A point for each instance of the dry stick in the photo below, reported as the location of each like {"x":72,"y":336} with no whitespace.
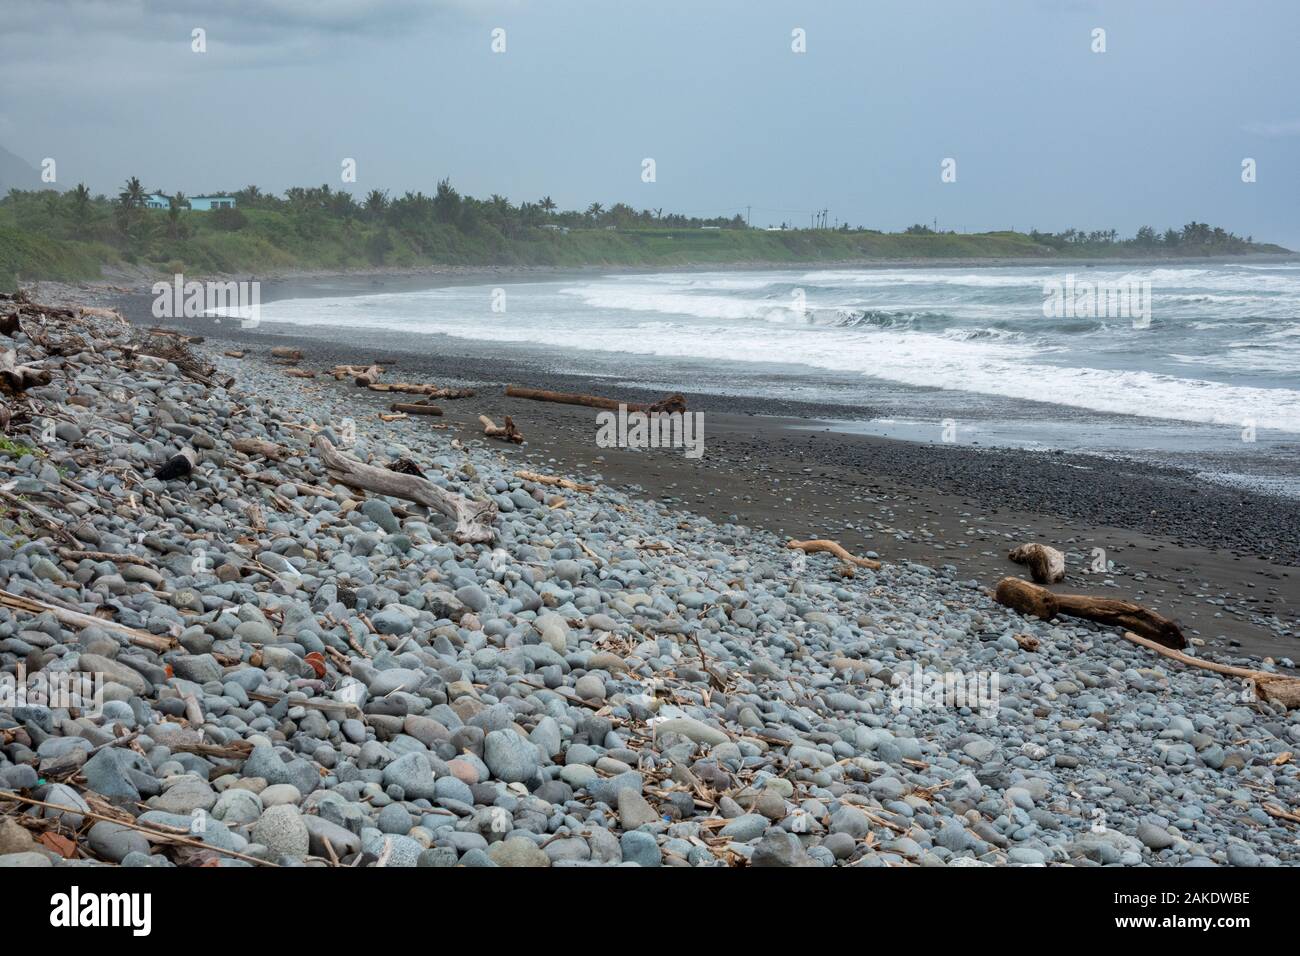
{"x":1273,"y":687}
{"x":46,"y":518}
{"x":153,"y":642}
{"x":161,"y":835}
{"x":824,"y":544}
{"x":71,"y":555}
{"x":541,"y":479}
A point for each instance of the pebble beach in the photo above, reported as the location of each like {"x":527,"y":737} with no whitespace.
{"x":300,"y":673}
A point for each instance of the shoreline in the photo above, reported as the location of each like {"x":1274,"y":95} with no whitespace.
{"x":120,"y":280}
{"x":1226,"y":561}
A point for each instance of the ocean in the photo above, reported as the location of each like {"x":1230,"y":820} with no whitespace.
{"x":1198,"y":359}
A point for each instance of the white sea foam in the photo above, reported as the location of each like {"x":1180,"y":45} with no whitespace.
{"x":909,"y":327}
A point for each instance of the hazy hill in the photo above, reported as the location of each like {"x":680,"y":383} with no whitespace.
{"x":17,"y":173}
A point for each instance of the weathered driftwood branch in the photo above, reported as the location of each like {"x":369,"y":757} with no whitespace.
{"x":415,"y":408}
{"x":831,"y":547}
{"x":1027,"y":598}
{"x":299,"y":373}
{"x":363,"y":376}
{"x":154,"y":642}
{"x":508,"y":432}
{"x":1277,"y":688}
{"x":234,"y":353}
{"x":284,"y":353}
{"x":540,"y":479}
{"x":474,"y":519}
{"x":414,"y":388}
{"x":252,"y":447}
{"x":671,"y":403}
{"x":19,"y":378}
{"x":1047,"y":565}
{"x":70,"y":554}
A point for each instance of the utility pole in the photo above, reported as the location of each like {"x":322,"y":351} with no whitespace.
{"x":748,"y":209}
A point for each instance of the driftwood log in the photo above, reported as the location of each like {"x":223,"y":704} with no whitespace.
{"x":1027,"y":598}
{"x":1047,"y":565}
{"x":414,"y":388}
{"x":832,"y":547}
{"x":178,"y":466}
{"x":508,"y":432}
{"x":257,"y":446}
{"x":19,"y":378}
{"x":672,"y":403}
{"x":363,"y":376}
{"x":299,"y":373}
{"x":474,"y":519}
{"x":1276,"y":688}
{"x":284,"y":353}
{"x":415,"y":408}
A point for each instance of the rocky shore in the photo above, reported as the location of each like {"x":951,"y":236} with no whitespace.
{"x":296,"y":672}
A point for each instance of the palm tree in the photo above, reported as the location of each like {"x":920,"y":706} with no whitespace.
{"x":547,"y":205}
{"x":131,"y":220}
{"x":594,"y":211}
{"x":79,"y":199}
{"x":375,"y":203}
{"x":175,"y":228}
{"x":132,"y":195}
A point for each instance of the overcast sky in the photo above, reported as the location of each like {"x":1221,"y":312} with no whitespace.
{"x":1045,"y":132}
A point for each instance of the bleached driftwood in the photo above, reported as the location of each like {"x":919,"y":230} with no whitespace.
{"x":1027,"y":598}
{"x":1047,"y":565}
{"x":415,"y":408}
{"x":257,"y":446}
{"x":554,"y":481}
{"x":831,"y":547}
{"x":1271,"y":687}
{"x":508,"y":432}
{"x":474,"y":519}
{"x":363,"y":376}
{"x":19,"y":378}
{"x":414,"y":388}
